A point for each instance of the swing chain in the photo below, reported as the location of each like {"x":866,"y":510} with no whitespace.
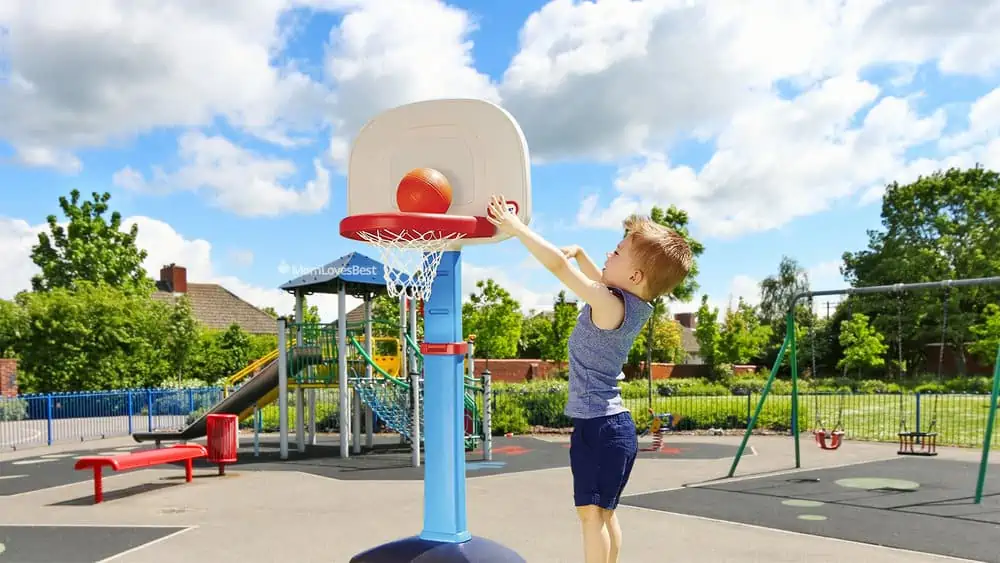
{"x":944,"y":332}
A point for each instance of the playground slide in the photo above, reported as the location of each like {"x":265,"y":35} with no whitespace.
{"x":259,"y":387}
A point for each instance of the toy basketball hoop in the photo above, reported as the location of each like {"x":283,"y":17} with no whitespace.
{"x":411,"y":244}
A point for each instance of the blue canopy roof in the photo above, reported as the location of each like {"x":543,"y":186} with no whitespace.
{"x":359,"y":274}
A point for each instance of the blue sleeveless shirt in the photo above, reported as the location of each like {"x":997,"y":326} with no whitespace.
{"x":596,"y":357}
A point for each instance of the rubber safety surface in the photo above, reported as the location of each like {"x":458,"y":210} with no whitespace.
{"x":918,"y":504}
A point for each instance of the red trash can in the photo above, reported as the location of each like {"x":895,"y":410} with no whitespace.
{"x":222,"y":433}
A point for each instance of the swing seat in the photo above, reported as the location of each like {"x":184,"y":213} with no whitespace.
{"x":927,"y":442}
{"x":835,"y":438}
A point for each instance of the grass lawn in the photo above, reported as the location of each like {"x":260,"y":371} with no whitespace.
{"x":960,"y":419}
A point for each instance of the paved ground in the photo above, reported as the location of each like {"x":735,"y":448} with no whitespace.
{"x":924,"y":504}
{"x":50,"y":544}
{"x":387,"y":460}
{"x":259,"y":515}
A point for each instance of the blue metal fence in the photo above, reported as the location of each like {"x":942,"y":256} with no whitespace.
{"x":39,"y":420}
{"x":46,"y":419}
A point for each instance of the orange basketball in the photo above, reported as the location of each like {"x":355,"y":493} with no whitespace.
{"x":423,"y":190}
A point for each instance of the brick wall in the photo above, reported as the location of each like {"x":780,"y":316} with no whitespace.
{"x":517,"y":371}
{"x":8,"y":377}
{"x":949,"y":363}
{"x":667,"y":371}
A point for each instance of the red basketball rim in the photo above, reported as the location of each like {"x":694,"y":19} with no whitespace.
{"x":416,"y":225}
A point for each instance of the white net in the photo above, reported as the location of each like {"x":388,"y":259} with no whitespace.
{"x":410,"y":259}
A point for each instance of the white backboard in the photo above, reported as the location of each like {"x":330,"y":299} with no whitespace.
{"x":477,"y":145}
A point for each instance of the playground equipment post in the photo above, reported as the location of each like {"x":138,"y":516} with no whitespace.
{"x":988,"y":439}
{"x":282,"y":389}
{"x":487,"y":414}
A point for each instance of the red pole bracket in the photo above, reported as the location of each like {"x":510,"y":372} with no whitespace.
{"x":444,"y":349}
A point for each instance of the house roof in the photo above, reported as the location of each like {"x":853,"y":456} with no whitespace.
{"x":356,"y":315}
{"x":216,"y":307}
{"x":360,"y":274}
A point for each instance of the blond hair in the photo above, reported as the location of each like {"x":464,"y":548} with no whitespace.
{"x":662,"y":254}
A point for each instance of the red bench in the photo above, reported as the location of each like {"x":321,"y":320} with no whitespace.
{"x":181,"y":452}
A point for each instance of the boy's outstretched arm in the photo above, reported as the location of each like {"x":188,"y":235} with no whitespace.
{"x":587,"y":266}
{"x":607,"y":309}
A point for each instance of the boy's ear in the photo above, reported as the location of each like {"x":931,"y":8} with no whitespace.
{"x":637,"y":277}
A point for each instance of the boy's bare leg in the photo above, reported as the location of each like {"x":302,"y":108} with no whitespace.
{"x":614,"y":534}
{"x":596,"y":541}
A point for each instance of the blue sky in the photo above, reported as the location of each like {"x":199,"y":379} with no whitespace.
{"x":763,"y":170}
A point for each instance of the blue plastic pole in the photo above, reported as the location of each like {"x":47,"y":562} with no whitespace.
{"x":444,"y":402}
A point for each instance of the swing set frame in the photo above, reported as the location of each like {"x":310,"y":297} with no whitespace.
{"x":789,"y":346}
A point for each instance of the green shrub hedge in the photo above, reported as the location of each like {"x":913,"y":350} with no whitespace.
{"x":700,"y":404}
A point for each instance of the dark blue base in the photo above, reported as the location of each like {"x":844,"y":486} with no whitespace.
{"x":417,"y":550}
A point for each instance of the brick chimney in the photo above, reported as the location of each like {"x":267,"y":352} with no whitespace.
{"x":8,"y":377}
{"x":686,"y":320}
{"x":175,"y":278}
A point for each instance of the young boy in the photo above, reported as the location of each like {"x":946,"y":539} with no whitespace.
{"x":650,"y":261}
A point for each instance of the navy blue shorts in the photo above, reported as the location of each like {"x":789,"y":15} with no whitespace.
{"x":601,"y":454}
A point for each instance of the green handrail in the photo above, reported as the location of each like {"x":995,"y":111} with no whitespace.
{"x":375,"y":366}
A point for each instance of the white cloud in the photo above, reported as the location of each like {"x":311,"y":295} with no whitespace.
{"x":388,"y":53}
{"x":615,"y":79}
{"x":164,"y":245}
{"x":822,"y":276}
{"x":242,"y":257}
{"x":236,"y":179}
{"x":978,"y":144}
{"x":740,"y":286}
{"x":528,"y":298}
{"x":608,"y":79}
{"x":778,"y":160}
{"x":88,"y":74}
{"x":16,"y":239}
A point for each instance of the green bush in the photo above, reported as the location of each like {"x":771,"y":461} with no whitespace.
{"x":546,"y":408}
{"x":508,"y":416}
{"x":13,"y":409}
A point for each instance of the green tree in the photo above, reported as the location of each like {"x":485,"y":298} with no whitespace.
{"x":495,"y":318}
{"x":182,"y":336}
{"x":667,"y":345}
{"x":987,"y":333}
{"x":677,"y":219}
{"x":942,"y":226}
{"x":235,"y":349}
{"x":536,"y":334}
{"x":864,"y":346}
{"x":564,"y":314}
{"x":385,"y":313}
{"x":13,"y":328}
{"x":94,"y":337}
{"x":90,"y":248}
{"x":776,"y":291}
{"x":706,"y":332}
{"x":743,"y":337}
{"x":310,"y":313}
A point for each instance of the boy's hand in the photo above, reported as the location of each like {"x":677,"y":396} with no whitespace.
{"x":571,"y":251}
{"x":498,"y":214}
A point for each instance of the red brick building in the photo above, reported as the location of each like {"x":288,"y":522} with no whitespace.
{"x":8,"y":377}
